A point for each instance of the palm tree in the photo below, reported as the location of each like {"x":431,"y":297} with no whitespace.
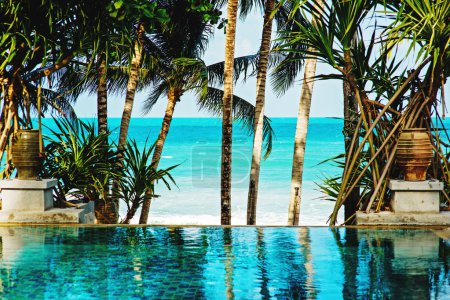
{"x":173,"y":67}
{"x":102,"y":95}
{"x":339,"y":24}
{"x":227,"y":121}
{"x":403,"y":98}
{"x":36,"y":40}
{"x":300,"y":135}
{"x":131,"y":85}
{"x":146,"y":19}
{"x":179,"y":69}
{"x":259,"y":111}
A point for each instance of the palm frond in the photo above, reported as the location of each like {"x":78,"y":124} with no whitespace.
{"x":243,"y":112}
{"x":244,"y":66}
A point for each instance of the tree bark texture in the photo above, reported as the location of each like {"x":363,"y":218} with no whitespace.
{"x":301,"y":133}
{"x":259,"y":112}
{"x":350,"y":121}
{"x":227,"y":115}
{"x":172,"y":99}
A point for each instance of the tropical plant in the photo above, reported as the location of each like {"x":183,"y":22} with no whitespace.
{"x":138,"y":178}
{"x":202,"y":7}
{"x":83,"y":162}
{"x":179,"y":69}
{"x":173,"y":67}
{"x":261,"y":63}
{"x":258,"y":125}
{"x":404,"y":98}
{"x":37,"y":39}
{"x":301,"y":128}
{"x":85,"y":165}
{"x":330,"y":39}
{"x":227,"y":116}
{"x":124,"y":54}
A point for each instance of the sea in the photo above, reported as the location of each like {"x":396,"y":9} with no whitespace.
{"x":195,"y":145}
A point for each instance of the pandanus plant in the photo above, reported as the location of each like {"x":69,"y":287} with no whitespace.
{"x":82,"y":161}
{"x":139,"y":177}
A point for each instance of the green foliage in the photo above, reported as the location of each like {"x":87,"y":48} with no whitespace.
{"x":138,"y":177}
{"x":424,"y":23}
{"x":210,"y":12}
{"x":36,"y":39}
{"x":172,"y":59}
{"x":137,"y":11}
{"x":82,"y":160}
{"x":330,"y":186}
{"x":86,"y":165}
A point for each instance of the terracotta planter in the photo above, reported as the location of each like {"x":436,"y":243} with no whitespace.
{"x":414,"y":153}
{"x":25,"y":154}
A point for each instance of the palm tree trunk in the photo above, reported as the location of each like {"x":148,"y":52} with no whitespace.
{"x":259,"y":112}
{"x":111,"y":209}
{"x":131,"y":88}
{"x":102,"y":96}
{"x":103,"y":207}
{"x":350,"y":120}
{"x":301,"y":132}
{"x":227,"y":115}
{"x":172,"y":98}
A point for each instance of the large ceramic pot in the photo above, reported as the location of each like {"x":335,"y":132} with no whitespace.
{"x":414,"y":153}
{"x":25,"y":154}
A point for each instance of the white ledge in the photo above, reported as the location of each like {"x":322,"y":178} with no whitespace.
{"x":426,"y":185}
{"x":16,"y":184}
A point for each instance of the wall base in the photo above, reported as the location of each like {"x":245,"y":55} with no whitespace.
{"x":388,"y":218}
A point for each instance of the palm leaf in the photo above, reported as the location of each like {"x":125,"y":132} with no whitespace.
{"x":243,"y":111}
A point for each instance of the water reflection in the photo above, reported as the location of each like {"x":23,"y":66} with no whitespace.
{"x":223,"y":263}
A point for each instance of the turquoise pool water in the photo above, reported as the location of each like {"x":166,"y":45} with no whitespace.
{"x":219,"y":263}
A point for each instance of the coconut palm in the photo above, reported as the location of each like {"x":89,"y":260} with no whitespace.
{"x":203,"y":7}
{"x":173,"y":67}
{"x":227,"y":120}
{"x":280,"y":12}
{"x":268,"y":8}
{"x":178,"y":69}
{"x":331,"y":40}
{"x":301,"y":133}
{"x":259,"y":111}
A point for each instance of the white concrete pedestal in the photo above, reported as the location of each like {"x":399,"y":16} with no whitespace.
{"x":415,"y":196}
{"x":31,"y":201}
{"x":412,"y":203}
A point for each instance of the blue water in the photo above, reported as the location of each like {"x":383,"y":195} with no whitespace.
{"x":195,"y":143}
{"x":220,"y":263}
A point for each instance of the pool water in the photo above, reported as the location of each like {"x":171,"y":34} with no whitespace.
{"x":220,"y":263}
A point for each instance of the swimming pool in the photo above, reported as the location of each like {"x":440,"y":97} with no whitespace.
{"x":219,"y":263}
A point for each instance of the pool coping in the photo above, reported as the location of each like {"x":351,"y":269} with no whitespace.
{"x":431,"y":227}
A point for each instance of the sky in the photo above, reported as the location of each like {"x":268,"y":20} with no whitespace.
{"x":327,"y":95}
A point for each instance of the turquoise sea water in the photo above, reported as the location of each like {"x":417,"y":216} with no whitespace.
{"x":195,"y":143}
{"x":223,"y":263}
